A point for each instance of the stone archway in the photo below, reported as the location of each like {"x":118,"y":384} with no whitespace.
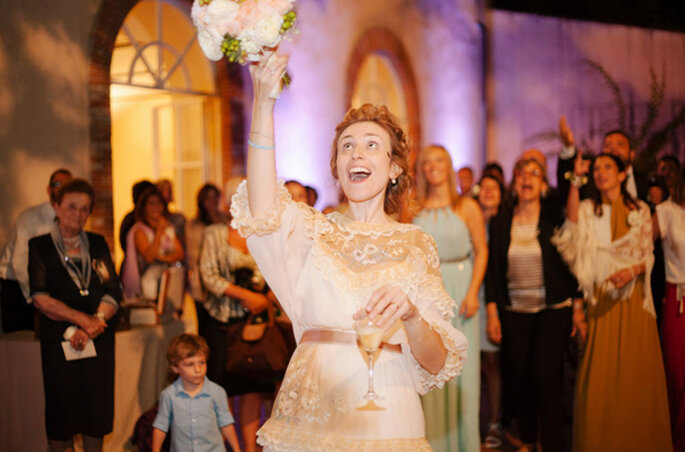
{"x":106,"y":25}
{"x":383,"y":41}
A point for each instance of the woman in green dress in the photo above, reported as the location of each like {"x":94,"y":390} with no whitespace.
{"x":456,"y":223}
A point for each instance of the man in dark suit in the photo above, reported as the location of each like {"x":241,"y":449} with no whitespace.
{"x":616,"y":142}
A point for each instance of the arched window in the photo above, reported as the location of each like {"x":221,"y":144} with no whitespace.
{"x":379,"y":72}
{"x":378,"y":83}
{"x":164,"y":107}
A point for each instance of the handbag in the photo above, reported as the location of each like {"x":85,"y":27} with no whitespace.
{"x":259,"y":348}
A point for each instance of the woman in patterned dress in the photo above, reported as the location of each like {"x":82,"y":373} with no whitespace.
{"x":328,"y":271}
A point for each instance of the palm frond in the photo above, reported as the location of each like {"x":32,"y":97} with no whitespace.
{"x":656,"y":98}
{"x":658,"y":139}
{"x":545,"y":135}
{"x":615,"y":91}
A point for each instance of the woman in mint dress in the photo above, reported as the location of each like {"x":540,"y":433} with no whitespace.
{"x":456,"y":224}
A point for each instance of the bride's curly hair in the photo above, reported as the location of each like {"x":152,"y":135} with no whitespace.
{"x":399,"y":143}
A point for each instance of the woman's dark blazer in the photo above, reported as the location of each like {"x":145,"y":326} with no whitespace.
{"x":560,"y":284}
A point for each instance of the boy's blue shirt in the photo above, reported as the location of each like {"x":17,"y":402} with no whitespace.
{"x":195,"y":422}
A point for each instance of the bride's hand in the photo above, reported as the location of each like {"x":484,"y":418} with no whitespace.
{"x":267,"y":74}
{"x":386,"y":305}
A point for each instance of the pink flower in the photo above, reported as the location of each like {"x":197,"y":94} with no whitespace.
{"x":279,"y":6}
{"x":265,"y":33}
{"x":248,"y":14}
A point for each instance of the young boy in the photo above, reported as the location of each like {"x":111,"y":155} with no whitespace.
{"x":196,"y":408}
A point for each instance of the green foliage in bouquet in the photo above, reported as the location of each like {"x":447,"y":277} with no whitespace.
{"x":236,"y":54}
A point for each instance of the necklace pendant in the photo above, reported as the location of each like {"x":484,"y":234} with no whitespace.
{"x":84,"y":292}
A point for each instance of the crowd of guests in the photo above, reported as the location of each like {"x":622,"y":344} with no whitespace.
{"x":535,"y":271}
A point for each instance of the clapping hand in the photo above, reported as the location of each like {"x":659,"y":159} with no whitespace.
{"x":92,"y":326}
{"x":621,"y":278}
{"x":79,"y":339}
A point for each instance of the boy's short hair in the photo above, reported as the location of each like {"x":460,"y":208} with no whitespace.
{"x":186,"y":346}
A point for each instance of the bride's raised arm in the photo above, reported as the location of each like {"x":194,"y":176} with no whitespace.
{"x":261,"y":162}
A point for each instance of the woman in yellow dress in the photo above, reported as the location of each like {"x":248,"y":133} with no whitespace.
{"x":621,"y":401}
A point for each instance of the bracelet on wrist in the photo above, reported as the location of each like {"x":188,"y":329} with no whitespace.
{"x":575,"y":180}
{"x":259,"y":146}
{"x":100,"y":316}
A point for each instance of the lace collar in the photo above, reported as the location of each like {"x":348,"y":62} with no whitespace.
{"x":350,"y":225}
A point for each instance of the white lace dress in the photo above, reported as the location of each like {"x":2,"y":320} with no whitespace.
{"x":323,"y":269}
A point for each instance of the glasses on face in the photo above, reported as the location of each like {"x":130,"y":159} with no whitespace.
{"x":56,"y":184}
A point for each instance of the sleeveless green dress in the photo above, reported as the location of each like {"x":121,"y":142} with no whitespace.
{"x":451,"y":413}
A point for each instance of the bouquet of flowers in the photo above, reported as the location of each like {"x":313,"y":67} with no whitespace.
{"x":241,"y":29}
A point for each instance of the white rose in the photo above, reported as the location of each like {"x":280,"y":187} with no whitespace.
{"x":250,"y":47}
{"x":267,"y":31}
{"x":221,"y":10}
{"x":210,"y":45}
{"x":197,"y":12}
{"x":633,"y":218}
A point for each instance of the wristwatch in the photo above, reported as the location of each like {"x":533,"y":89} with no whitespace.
{"x":100,"y":316}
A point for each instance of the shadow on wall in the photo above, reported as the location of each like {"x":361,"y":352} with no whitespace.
{"x":43,"y":100}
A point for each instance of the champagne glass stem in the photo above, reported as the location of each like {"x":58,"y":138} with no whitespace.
{"x":371,"y":391}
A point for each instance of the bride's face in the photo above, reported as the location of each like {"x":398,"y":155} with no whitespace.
{"x":363,"y":161}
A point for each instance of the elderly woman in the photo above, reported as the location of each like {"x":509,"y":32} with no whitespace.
{"x":607,"y":241}
{"x":152,"y":245}
{"x":533,"y":290}
{"x":328,"y":271}
{"x":227,"y":302}
{"x":75,"y":288}
{"x":456,"y":224}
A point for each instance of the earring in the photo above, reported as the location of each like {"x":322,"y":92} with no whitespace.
{"x":393,"y":181}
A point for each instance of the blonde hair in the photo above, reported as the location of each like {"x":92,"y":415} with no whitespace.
{"x":422,"y":185}
{"x":399,"y":149}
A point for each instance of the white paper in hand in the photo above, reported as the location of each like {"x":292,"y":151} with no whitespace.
{"x":71,"y":354}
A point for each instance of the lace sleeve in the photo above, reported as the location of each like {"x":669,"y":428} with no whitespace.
{"x":643,"y":247}
{"x":644,"y":235}
{"x":265,"y":224}
{"x":436,"y":307}
{"x":277,"y":240}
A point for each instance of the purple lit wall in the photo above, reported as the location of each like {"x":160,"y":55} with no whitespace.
{"x":443,"y":43}
{"x":538,"y":74}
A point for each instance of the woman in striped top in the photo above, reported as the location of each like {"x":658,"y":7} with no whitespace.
{"x":534,"y":291}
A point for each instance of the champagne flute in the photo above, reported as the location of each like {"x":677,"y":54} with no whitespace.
{"x":370,"y":337}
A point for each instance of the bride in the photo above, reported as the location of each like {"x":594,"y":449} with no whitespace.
{"x":328,"y":271}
